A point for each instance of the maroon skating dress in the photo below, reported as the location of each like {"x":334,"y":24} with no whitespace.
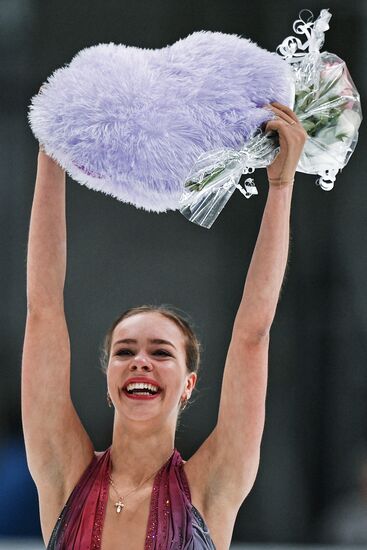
{"x":173,"y":522}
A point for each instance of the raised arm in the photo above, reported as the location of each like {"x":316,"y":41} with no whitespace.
{"x":232,"y":452}
{"x":266,"y":272}
{"x":57,"y":446}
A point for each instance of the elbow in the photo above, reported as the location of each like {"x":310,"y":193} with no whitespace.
{"x":253,"y":326}
{"x":252,"y":335}
{"x":37,"y":307}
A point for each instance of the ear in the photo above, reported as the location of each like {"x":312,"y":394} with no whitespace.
{"x":191,"y":382}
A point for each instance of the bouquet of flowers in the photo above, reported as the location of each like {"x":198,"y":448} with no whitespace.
{"x":327,"y":104}
{"x":177,"y":127}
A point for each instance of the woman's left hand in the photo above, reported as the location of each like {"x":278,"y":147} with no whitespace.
{"x":292,"y":137}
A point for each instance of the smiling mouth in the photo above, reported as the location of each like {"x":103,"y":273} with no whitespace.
{"x":141,"y":394}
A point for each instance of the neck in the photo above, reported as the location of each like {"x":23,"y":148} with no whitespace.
{"x":138,"y":452}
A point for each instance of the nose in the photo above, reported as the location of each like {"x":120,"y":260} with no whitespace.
{"x":140,"y":362}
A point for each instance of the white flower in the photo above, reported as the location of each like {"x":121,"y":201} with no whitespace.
{"x":323,"y":151}
{"x":327,"y":135}
{"x":348,"y":123}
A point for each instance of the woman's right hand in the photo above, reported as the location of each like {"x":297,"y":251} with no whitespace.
{"x":292,"y":138}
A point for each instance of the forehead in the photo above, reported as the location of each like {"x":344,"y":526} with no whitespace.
{"x":152,"y":325}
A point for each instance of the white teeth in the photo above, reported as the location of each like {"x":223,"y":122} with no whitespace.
{"x":141,"y":386}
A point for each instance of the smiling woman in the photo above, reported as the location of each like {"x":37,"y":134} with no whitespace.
{"x":139,"y":493}
{"x":192,"y":343}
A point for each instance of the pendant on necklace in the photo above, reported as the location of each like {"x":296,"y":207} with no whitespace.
{"x":119,"y":506}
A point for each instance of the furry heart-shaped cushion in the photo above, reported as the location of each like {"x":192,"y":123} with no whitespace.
{"x":131,"y":122}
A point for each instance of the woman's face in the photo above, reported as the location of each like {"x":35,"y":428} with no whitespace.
{"x":148,"y":348}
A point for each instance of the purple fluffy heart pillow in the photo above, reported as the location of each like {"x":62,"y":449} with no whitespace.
{"x":131,"y":122}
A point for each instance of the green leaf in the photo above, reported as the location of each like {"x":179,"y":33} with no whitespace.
{"x":342,"y":136}
{"x":196,"y":186}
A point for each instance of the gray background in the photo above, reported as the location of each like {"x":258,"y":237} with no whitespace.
{"x":119,"y":257}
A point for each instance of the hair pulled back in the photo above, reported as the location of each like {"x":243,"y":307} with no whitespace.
{"x":192,"y":344}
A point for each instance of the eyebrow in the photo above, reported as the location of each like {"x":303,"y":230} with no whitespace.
{"x":151,"y":340}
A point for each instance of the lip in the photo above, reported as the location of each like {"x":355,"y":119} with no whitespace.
{"x":145,"y":380}
{"x":141,"y":397}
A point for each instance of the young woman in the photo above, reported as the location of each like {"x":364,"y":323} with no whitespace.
{"x":139,"y":493}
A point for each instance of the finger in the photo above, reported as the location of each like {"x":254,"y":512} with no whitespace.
{"x":283,"y":116}
{"x":279,"y":125}
{"x":275,"y":125}
{"x":292,"y":134}
{"x":286,"y":110}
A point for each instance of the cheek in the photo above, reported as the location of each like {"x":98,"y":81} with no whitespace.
{"x":174,"y":378}
{"x":113,"y":371}
{"x":116,"y":364}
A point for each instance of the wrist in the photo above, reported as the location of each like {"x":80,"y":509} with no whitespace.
{"x":280,"y":183}
{"x":47,"y":164}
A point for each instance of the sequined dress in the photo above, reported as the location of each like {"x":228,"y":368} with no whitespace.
{"x":173,"y":522}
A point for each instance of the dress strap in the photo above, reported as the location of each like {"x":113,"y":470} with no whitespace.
{"x":81,"y":520}
{"x":170,"y":514}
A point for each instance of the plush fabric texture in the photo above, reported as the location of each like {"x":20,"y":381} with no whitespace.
{"x":131,"y":122}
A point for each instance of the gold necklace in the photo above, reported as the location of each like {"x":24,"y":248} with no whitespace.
{"x":119,"y":504}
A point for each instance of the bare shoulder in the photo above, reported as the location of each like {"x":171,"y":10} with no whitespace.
{"x":216,"y":507}
{"x":54,"y":494}
{"x":223,"y":470}
{"x":57,"y":445}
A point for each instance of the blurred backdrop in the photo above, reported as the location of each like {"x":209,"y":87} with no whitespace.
{"x":312,"y":481}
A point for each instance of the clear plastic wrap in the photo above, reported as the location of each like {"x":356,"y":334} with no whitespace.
{"x":326,"y":102}
{"x":330,"y":111}
{"x":215,"y":177}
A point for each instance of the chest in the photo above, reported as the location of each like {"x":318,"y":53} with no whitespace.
{"x":126,"y":530}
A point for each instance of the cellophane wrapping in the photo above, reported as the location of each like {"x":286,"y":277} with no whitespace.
{"x":326,"y":102}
